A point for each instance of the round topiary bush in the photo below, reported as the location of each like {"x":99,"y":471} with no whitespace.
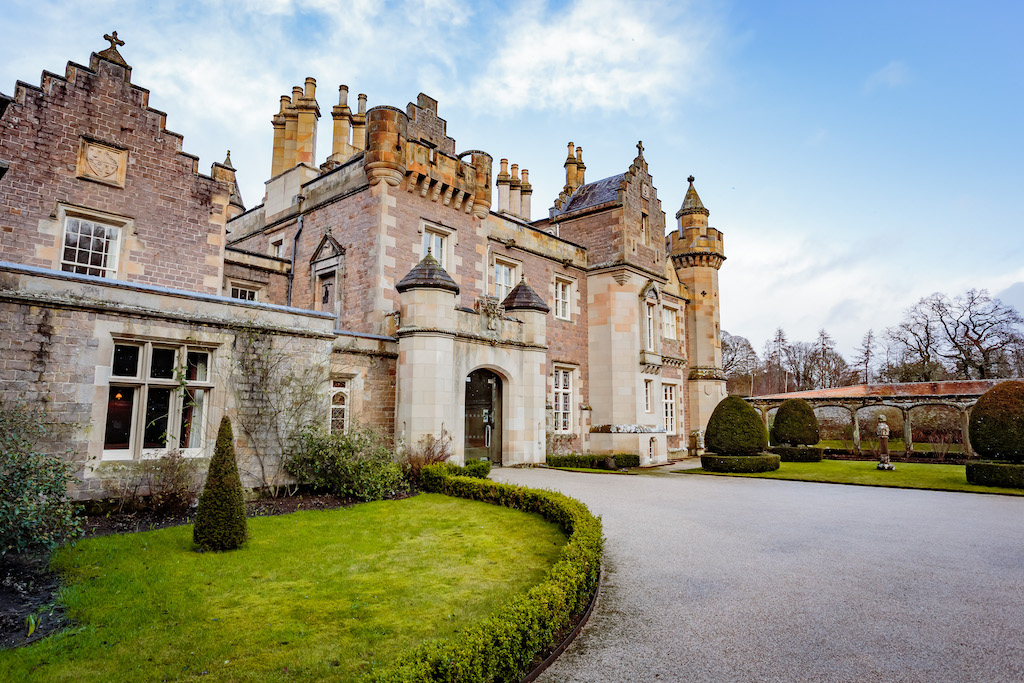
{"x":997,"y":423}
{"x":735,"y":428}
{"x":795,"y":424}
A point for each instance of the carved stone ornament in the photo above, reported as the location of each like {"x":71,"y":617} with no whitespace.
{"x":102,"y":163}
{"x":490,"y":306}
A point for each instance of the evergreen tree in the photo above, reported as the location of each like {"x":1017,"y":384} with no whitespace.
{"x":220,"y":519}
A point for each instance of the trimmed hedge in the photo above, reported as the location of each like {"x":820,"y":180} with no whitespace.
{"x":989,"y":473}
{"x":997,"y":423}
{"x":594,"y":462}
{"x":764,"y":462}
{"x":477,"y":469}
{"x":797,"y":454}
{"x":502,"y":646}
{"x":735,"y":428}
{"x":795,"y":424}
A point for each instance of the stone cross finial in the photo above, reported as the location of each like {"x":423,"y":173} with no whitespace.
{"x":690,"y":179}
{"x":640,"y":148}
{"x":114,"y":40}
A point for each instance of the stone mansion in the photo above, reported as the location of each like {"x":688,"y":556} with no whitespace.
{"x":407,"y":282}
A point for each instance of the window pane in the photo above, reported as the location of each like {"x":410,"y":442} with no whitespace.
{"x":192,"y":418}
{"x":126,"y":361}
{"x":162,"y":364}
{"x":120,"y":402}
{"x":198,"y":362}
{"x":157,"y":408}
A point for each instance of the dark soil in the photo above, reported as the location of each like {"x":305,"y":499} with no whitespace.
{"x":28,"y":587}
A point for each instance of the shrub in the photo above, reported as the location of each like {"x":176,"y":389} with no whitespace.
{"x":795,"y":424}
{"x":762,"y":462}
{"x":996,"y":426}
{"x":502,"y":646}
{"x":431,"y":450}
{"x":220,"y":519}
{"x":168,"y":484}
{"x":358,"y":464}
{"x":589,"y":461}
{"x":478,"y":469}
{"x":795,"y":454}
{"x":988,"y":473}
{"x":35,"y":512}
{"x":735,"y":428}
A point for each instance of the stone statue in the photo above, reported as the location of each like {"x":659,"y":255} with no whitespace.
{"x":883,"y":444}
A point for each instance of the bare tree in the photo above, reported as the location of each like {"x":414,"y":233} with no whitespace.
{"x":739,"y":362}
{"x":800,"y":366}
{"x":865,"y":352}
{"x":978,"y":332}
{"x":915,"y":343}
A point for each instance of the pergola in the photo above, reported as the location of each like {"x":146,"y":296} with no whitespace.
{"x":960,"y":395}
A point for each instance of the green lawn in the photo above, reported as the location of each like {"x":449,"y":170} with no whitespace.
{"x":590,"y":470}
{"x":906,"y":475}
{"x":312,"y":595}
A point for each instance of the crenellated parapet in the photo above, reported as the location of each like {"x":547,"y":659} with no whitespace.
{"x":696,"y":246}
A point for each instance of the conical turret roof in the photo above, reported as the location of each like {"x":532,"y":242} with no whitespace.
{"x":691,"y":202}
{"x":522,"y":297}
{"x":429,"y":274}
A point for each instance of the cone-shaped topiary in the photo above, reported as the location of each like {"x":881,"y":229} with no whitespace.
{"x":735,"y":428}
{"x":997,"y":423}
{"x":220,"y":519}
{"x":795,"y":424}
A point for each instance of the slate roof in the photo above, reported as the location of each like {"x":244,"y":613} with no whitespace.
{"x":522,"y":297}
{"x":593,"y":194}
{"x":428,"y":273}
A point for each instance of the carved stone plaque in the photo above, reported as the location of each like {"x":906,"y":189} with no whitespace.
{"x":102,"y":163}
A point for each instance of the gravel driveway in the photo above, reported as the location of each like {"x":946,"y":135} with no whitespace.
{"x":731,"y":579}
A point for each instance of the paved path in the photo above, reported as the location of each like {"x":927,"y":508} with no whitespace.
{"x":730,"y":579}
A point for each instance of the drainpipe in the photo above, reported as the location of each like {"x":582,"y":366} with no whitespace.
{"x":291,"y":272}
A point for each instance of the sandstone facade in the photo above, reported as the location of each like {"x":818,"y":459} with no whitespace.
{"x":410,"y":279}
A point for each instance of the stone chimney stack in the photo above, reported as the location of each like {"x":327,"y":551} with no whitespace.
{"x":278,"y":122}
{"x":359,"y":124}
{"x":526,"y":193}
{"x":291,"y":125}
{"x":571,"y":182}
{"x":342,"y":116}
{"x":308,"y":115}
{"x":581,"y":168}
{"x":515,"y":204}
{"x":503,"y":181}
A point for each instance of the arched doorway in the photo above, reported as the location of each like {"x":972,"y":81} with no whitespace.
{"x":483,"y":416}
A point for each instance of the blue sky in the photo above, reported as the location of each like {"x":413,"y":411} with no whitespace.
{"x":857,"y":156}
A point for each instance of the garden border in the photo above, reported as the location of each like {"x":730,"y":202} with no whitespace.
{"x":503,"y":646}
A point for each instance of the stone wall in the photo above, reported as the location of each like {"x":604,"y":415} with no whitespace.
{"x":89,"y":141}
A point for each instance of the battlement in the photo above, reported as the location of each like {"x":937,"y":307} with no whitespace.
{"x":696,"y":246}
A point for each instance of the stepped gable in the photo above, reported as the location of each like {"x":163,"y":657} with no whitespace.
{"x":428,"y":274}
{"x":426,"y":126}
{"x":522,"y":297}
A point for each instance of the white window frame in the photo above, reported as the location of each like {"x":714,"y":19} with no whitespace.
{"x":277,"y":247}
{"x":670,"y":322}
{"x":650,"y":311}
{"x":142,"y":384}
{"x":243,"y":291}
{"x":120,"y":225}
{"x":510,"y":269}
{"x":341,"y":388}
{"x":648,"y":395}
{"x":669,"y":405}
{"x":438,"y":238}
{"x":562,"y":399}
{"x":563,"y":304}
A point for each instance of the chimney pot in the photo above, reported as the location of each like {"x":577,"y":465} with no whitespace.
{"x":343,"y":95}
{"x":362,"y":103}
{"x":310,"y":88}
{"x":515,"y":171}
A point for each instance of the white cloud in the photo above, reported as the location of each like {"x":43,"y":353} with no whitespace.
{"x":601,"y":54}
{"x":893,"y":75}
